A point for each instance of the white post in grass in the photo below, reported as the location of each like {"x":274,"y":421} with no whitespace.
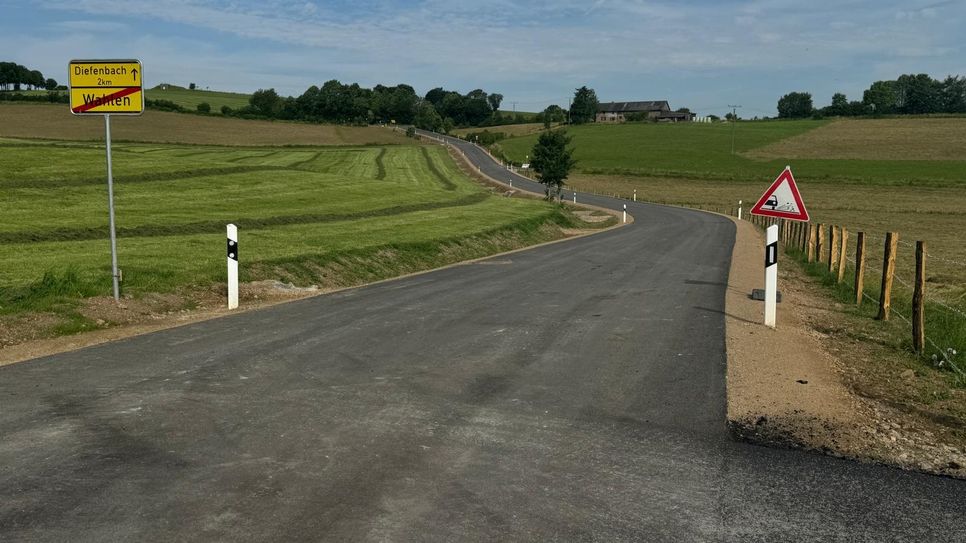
{"x":232,"y":266}
{"x":771,"y":274}
{"x":575,"y":197}
{"x":635,"y":195}
{"x":625,"y":213}
{"x":739,"y":210}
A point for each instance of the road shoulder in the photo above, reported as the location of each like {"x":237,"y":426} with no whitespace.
{"x":785,"y":388}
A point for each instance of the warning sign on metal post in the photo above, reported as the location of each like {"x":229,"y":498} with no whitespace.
{"x":782,"y":200}
{"x":112,"y":87}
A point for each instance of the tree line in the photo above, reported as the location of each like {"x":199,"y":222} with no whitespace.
{"x":909,"y":94}
{"x":439,"y":110}
{"x":16,"y":76}
{"x":337,"y":102}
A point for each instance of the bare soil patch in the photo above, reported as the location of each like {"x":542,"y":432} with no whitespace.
{"x":808,"y":384}
{"x":56,"y":122}
{"x":510,"y":130}
{"x":875,"y":139}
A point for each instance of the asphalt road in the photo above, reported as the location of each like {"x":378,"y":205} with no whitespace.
{"x":572,"y":392}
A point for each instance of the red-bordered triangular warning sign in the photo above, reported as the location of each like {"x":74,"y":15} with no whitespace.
{"x":782,"y":199}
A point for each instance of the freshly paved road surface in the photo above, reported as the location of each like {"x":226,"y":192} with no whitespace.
{"x":573,"y":392}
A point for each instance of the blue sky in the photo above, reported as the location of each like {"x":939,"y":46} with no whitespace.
{"x":696,"y":53}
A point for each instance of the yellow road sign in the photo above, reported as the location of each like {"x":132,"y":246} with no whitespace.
{"x":99,"y":87}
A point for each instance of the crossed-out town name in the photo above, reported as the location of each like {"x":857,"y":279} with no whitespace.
{"x":106,"y":100}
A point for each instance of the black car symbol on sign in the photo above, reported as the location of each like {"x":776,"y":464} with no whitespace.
{"x":772,"y":203}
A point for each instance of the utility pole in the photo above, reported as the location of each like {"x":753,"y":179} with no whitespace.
{"x":514,"y":107}
{"x":734,"y":123}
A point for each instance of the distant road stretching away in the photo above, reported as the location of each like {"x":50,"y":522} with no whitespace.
{"x":571,"y":392}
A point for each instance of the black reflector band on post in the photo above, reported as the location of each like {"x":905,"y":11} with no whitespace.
{"x":771,"y":254}
{"x":233,"y":250}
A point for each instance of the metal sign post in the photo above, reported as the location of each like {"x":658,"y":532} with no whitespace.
{"x":106,"y":87}
{"x":110,"y":210}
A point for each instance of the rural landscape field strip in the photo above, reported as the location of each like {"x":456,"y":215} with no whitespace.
{"x":200,"y":227}
{"x":290,"y":204}
{"x":146,"y":177}
{"x":703,"y":151}
{"x":166,"y":262}
{"x":443,"y":180}
{"x":55,"y":123}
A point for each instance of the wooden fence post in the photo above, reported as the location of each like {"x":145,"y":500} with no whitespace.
{"x":820,"y":246}
{"x":859,"y":268}
{"x":918,"y":300}
{"x":803,"y":236}
{"x":888,"y":272}
{"x":811,"y":242}
{"x":843,"y":254}
{"x":833,"y":247}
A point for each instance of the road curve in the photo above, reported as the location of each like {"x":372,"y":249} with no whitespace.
{"x":572,"y":392}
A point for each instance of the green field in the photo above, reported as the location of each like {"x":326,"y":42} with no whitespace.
{"x":703,"y":151}
{"x":189,"y":99}
{"x":186,"y":98}
{"x":303,"y":214}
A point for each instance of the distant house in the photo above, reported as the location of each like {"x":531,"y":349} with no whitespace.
{"x":655,"y":110}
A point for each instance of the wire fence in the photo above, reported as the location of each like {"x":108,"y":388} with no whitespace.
{"x":953,"y":319}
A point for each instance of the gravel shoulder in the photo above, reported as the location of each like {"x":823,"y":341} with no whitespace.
{"x":787,"y":388}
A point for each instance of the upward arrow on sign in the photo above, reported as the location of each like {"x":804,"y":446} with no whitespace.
{"x":134,"y":73}
{"x":782,"y":200}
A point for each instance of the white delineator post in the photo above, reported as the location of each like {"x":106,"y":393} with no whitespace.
{"x":625,"y":213}
{"x":771,"y":274}
{"x":575,"y":197}
{"x":232,"y":255}
{"x":739,"y":210}
{"x":635,"y":195}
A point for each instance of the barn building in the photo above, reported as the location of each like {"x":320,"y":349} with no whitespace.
{"x":654,"y":110}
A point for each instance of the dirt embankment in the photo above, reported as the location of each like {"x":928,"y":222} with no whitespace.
{"x":786,"y":388}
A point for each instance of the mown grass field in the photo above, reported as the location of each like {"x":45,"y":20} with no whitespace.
{"x":55,"y":122}
{"x":330,"y":216}
{"x":189,"y":99}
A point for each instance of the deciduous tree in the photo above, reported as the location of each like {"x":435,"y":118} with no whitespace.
{"x":795,"y":105}
{"x":552,"y":159}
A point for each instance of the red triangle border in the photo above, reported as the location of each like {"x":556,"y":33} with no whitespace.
{"x":786,"y":175}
